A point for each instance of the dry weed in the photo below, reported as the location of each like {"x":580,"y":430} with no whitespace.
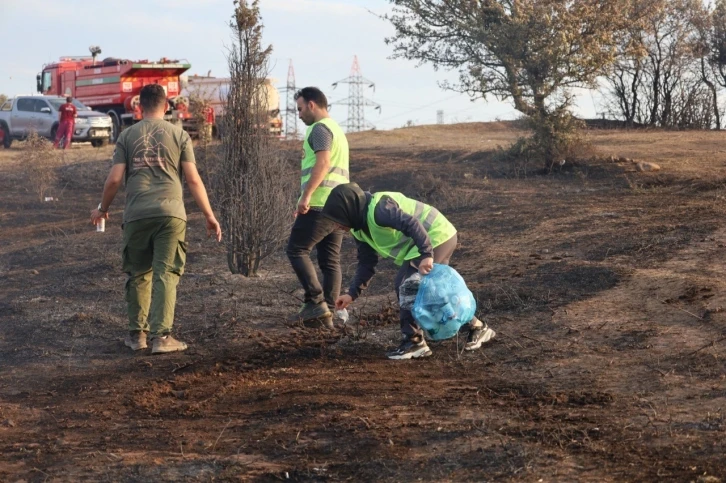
{"x":41,"y":163}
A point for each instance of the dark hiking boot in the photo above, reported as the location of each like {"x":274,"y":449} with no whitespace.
{"x":136,"y":341}
{"x":479,"y":333}
{"x":410,"y":348}
{"x":167,"y":343}
{"x":313,"y":315}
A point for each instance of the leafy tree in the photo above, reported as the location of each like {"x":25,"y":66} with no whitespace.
{"x":531,"y":52}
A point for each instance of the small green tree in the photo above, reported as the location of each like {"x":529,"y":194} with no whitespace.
{"x":531,"y":52}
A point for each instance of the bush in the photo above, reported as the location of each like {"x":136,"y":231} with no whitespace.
{"x":41,"y":163}
{"x":441,"y":194}
{"x":252,"y":181}
{"x":556,"y":139}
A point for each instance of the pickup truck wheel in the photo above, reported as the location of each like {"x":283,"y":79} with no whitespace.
{"x":116,"y":125}
{"x":53,"y":132}
{"x":5,"y":134}
{"x":97,"y":143}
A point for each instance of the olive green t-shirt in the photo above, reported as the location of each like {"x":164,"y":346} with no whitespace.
{"x":153,"y":151}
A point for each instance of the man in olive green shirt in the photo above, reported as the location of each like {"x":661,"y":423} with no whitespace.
{"x":153,"y":156}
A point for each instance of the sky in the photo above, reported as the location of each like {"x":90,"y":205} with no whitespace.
{"x":320,"y":37}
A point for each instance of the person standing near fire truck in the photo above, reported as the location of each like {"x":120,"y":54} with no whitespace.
{"x":208,"y":113}
{"x":68,"y":114}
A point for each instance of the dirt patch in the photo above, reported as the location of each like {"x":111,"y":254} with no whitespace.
{"x":605,"y":286}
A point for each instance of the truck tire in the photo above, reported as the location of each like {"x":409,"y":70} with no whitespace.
{"x":53,"y":132}
{"x":98,"y":143}
{"x":116,"y":126}
{"x":6,"y":136}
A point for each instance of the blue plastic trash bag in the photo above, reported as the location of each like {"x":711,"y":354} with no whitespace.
{"x":443,"y":303}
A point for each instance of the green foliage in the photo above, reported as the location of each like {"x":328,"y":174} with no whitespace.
{"x":528,"y":51}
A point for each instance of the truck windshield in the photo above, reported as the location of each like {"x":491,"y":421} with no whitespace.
{"x":45,"y":87}
{"x":59,"y":102}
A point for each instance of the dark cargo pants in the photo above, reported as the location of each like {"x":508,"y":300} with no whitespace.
{"x":442,"y":255}
{"x":154,"y":254}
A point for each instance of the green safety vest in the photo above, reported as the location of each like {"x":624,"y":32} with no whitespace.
{"x":338,"y":172}
{"x":391,"y":243}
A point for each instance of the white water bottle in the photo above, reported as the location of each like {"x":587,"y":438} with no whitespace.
{"x":101,"y":222}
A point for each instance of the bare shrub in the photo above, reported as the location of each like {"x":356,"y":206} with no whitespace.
{"x":199,"y":101}
{"x":253,"y":184}
{"x":41,"y":163}
{"x":439,"y":193}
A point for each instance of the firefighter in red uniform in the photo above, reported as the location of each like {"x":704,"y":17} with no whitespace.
{"x":208,"y":121}
{"x":68,"y":115}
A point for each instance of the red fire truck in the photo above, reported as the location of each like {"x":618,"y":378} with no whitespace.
{"x":112,"y":85}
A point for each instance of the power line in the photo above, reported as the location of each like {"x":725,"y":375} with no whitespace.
{"x":418,"y":108}
{"x":356,"y":101}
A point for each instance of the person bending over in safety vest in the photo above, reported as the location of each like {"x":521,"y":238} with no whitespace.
{"x":324,"y":166}
{"x":414,"y":234}
{"x":67,"y":114}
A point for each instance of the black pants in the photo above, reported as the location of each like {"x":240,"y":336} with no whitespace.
{"x":442,"y":255}
{"x":312,"y":230}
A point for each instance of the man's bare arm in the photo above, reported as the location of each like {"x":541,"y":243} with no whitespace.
{"x":199,"y":192}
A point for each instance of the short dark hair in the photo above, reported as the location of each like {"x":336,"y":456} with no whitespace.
{"x":312,"y":94}
{"x":152,"y":97}
{"x":69,"y":99}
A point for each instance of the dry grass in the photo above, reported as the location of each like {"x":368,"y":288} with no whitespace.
{"x":41,"y":163}
{"x":606,"y":298}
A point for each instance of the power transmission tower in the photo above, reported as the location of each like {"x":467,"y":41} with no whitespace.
{"x":355,"y":101}
{"x":291,"y":105}
{"x":439,"y":117}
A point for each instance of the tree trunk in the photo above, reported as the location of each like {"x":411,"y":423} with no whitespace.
{"x":714,"y":93}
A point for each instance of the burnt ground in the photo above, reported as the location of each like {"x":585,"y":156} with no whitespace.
{"x":605,"y":286}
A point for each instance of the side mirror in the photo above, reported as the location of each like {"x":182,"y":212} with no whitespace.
{"x":38,"y":83}
{"x":45,"y":110}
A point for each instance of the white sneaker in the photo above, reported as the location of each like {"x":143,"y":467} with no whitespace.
{"x":410,"y":350}
{"x":478,"y":336}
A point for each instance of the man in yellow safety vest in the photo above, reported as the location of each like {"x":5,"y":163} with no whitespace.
{"x":414,"y":235}
{"x":324,"y":166}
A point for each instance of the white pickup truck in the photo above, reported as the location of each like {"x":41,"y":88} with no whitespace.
{"x":24,"y":114}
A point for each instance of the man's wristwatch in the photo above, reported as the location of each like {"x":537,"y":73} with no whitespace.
{"x":101,"y":210}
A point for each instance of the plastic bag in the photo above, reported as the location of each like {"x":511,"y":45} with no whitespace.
{"x":342,"y":315}
{"x":443,"y":303}
{"x":408,"y":291}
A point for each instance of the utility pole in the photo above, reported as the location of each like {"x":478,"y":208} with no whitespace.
{"x":356,"y":101}
{"x":291,"y":105}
